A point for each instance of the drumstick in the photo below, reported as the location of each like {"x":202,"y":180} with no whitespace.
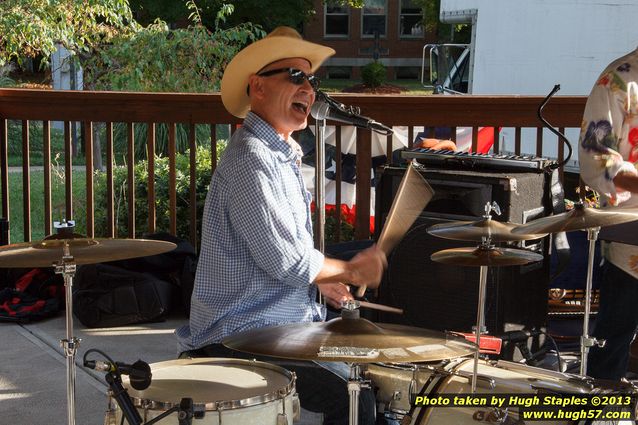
{"x":381,"y":307}
{"x":413,"y":195}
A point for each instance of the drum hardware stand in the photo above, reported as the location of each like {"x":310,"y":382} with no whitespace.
{"x":587,"y":341}
{"x":355,"y":384}
{"x":480,"y":316}
{"x":350,"y":310}
{"x":70,"y":344}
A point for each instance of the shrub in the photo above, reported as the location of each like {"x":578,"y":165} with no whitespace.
{"x":203,"y":173}
{"x":373,"y":74}
{"x":330,"y":229}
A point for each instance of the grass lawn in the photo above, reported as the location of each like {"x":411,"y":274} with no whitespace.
{"x":14,"y":139}
{"x":16,"y":221}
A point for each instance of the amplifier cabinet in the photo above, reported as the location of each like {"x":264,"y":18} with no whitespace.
{"x":444,"y":297}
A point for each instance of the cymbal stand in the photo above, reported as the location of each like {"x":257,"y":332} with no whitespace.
{"x":355,"y":384}
{"x":70,"y":344}
{"x":480,"y":321}
{"x":480,"y":315}
{"x":587,"y":341}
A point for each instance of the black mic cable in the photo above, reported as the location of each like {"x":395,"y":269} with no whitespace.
{"x":139,"y":372}
{"x":123,"y":399}
{"x":114,"y":379}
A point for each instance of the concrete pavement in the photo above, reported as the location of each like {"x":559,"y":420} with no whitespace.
{"x":33,"y":367}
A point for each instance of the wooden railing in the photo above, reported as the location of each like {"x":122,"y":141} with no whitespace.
{"x":151,"y":109}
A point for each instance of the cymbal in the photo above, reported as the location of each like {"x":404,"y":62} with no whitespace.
{"x":476,"y":231}
{"x":579,"y":218}
{"x":353,"y":340}
{"x":84,"y":251}
{"x":485,"y":256}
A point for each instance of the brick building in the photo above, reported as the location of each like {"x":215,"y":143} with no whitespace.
{"x":386,"y":29}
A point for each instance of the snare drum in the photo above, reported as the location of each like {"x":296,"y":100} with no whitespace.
{"x":229,"y":391}
{"x":397,"y":385}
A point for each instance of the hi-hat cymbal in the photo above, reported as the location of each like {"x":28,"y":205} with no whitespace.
{"x":476,"y":231}
{"x":579,"y":218}
{"x":84,"y":251}
{"x":351,"y":340}
{"x":485,"y":256}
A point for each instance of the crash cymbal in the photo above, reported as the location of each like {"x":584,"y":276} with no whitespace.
{"x":84,"y":251}
{"x":476,"y":231}
{"x":354,"y":340}
{"x":579,"y":218}
{"x":485,"y":256}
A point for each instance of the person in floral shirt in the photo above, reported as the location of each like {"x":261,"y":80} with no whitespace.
{"x":608,"y":153}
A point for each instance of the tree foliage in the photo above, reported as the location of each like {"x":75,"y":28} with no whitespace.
{"x":30,"y":28}
{"x":445,"y":32}
{"x":266,"y":13}
{"x":158,"y":59}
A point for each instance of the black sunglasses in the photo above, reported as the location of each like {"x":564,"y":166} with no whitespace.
{"x":294,"y":75}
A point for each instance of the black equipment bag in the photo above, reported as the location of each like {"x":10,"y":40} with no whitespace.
{"x":108,"y":295}
{"x":177,"y":266}
{"x":136,"y":290}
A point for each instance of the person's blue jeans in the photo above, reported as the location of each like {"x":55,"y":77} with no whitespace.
{"x":616,"y":323}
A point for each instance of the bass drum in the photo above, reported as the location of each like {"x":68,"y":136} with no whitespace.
{"x":503,"y":378}
{"x":398,"y":385}
{"x":228,"y":391}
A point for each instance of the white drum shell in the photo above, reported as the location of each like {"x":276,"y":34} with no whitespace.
{"x":230,"y":391}
{"x":508,"y":378}
{"x":396,"y":383}
{"x":393,"y":384}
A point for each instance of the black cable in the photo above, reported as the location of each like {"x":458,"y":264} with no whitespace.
{"x":95,"y":350}
{"x":119,"y":392}
{"x":553,"y":341}
{"x":553,"y":130}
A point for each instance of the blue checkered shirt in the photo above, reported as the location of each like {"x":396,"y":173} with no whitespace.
{"x":257,"y":259}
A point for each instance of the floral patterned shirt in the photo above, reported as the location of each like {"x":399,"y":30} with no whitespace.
{"x":608,"y":144}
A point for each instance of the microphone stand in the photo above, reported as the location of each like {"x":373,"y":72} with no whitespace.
{"x":320,"y":190}
{"x":122,"y":398}
{"x":186,"y":411}
{"x":320,"y":163}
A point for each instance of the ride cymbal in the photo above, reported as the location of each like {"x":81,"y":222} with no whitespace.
{"x":485,"y":256}
{"x":579,"y":218}
{"x":49,"y":251}
{"x":476,"y":231}
{"x":353,"y":340}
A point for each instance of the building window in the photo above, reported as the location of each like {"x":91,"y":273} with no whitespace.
{"x":410,"y":20}
{"x":337,"y":21}
{"x":373,"y":18}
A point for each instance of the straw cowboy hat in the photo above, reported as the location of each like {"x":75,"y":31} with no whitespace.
{"x":281,"y":43}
